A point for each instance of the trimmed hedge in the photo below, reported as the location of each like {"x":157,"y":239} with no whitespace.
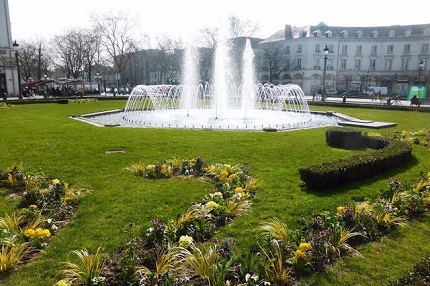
{"x":388,"y":154}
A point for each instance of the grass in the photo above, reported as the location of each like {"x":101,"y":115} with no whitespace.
{"x":43,"y":138}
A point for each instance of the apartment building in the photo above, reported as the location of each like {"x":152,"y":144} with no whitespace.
{"x":9,"y":82}
{"x":392,"y":56}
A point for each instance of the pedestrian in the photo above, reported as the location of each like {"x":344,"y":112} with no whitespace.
{"x":3,"y":93}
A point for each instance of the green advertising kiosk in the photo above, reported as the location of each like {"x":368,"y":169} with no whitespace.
{"x":420,"y":91}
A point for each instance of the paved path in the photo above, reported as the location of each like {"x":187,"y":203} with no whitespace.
{"x":365,"y":101}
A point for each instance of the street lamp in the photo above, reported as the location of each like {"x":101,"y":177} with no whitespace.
{"x":45,"y":90}
{"x":15,"y":48}
{"x":421,"y":65}
{"x":98,"y":77}
{"x":325,"y":69}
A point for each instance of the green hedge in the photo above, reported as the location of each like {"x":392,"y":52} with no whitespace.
{"x":388,"y":154}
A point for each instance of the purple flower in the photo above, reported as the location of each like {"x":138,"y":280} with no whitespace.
{"x":389,"y":208}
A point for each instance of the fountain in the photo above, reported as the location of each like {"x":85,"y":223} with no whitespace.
{"x":246,"y":106}
{"x":223,"y":104}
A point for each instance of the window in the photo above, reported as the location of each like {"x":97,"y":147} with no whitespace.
{"x":358,"y":64}
{"x":425,"y":48}
{"x":407,"y":49}
{"x":317,"y":48}
{"x":343,"y":64}
{"x":388,"y":64}
{"x":373,"y":64}
{"x":344,"y":33}
{"x":329,"y":34}
{"x":299,"y":48}
{"x":358,"y":50}
{"x":287,"y":49}
{"x":391,"y":34}
{"x":359,"y":34}
{"x":299,"y":64}
{"x":408,"y":33}
{"x":287,"y":64}
{"x":374,"y":50}
{"x":390,"y":49}
{"x":374,"y":34}
{"x":317,"y":33}
{"x":405,"y":63}
{"x":344,"y":50}
{"x":427,"y":32}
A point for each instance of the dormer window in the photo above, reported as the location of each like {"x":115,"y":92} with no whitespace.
{"x":391,"y":34}
{"x":408,"y":33}
{"x":317,"y":33}
{"x":427,"y":32}
{"x":329,"y":34}
{"x":344,"y":34}
{"x":374,"y":34}
{"x":359,"y":34}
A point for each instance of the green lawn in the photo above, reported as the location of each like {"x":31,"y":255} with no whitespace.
{"x":42,"y":138}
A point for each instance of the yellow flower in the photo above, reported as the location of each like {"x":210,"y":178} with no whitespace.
{"x":55,"y":182}
{"x":63,"y":283}
{"x":33,"y":207}
{"x":239,"y":190}
{"x":362,"y":208}
{"x":212,"y":205}
{"x":233,"y":176}
{"x":185,"y":241}
{"x":304,"y":246}
{"x":300,"y":258}
{"x":30,"y":233}
{"x":223,"y":176}
{"x":38,"y":232}
{"x":340,"y":211}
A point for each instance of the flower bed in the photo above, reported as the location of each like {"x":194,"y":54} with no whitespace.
{"x":184,"y":251}
{"x":45,"y":205}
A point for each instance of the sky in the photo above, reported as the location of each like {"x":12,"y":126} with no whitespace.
{"x":43,"y":19}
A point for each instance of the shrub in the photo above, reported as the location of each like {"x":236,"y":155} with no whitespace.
{"x":389,"y":154}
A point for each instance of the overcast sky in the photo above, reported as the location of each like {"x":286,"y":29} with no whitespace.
{"x":42,"y":19}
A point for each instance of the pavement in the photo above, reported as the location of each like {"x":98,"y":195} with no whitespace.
{"x":366,"y":101}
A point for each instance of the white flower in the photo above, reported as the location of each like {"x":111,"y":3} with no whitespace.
{"x":247,"y":276}
{"x":185,"y":241}
{"x":218,"y":195}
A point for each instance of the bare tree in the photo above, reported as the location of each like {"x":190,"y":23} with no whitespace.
{"x":70,"y":51}
{"x":117,"y":33}
{"x":34,"y":59}
{"x":169,"y":59}
{"x":92,"y":53}
{"x":272,"y":58}
{"x":241,"y":28}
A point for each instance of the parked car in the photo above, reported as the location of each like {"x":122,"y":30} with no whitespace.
{"x":351,"y":93}
{"x":331,"y":92}
{"x":340,"y":92}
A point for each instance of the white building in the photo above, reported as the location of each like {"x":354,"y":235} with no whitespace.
{"x":8,"y":65}
{"x":358,"y":57}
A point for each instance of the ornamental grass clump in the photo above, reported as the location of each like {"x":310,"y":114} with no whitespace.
{"x":84,"y":268}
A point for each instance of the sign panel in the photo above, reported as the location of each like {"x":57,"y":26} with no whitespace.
{"x":420,"y":91}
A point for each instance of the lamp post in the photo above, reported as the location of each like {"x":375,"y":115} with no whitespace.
{"x":421,"y":65}
{"x":325,"y":69}
{"x":45,"y":90}
{"x":15,"y":48}
{"x":98,"y":77}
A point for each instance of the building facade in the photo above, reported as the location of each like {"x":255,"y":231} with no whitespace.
{"x":359,"y":57}
{"x":9,"y":82}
